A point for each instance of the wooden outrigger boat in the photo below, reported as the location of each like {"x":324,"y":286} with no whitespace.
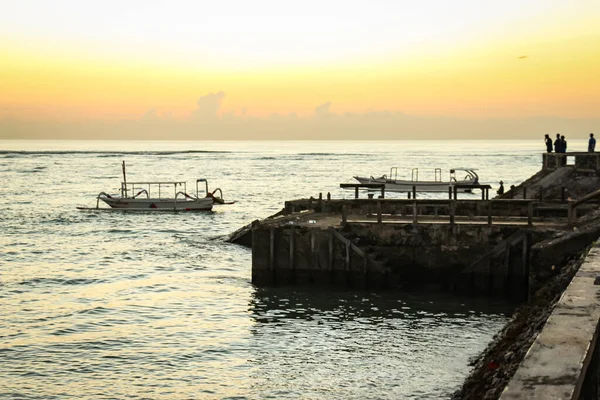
{"x":393,"y":184}
{"x":160,"y":196}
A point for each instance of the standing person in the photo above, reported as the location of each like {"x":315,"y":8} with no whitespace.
{"x":557,"y":143}
{"x":548,"y":143}
{"x":563,"y":144}
{"x":591,"y":143}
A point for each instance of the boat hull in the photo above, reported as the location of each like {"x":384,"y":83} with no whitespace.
{"x":407,"y":186}
{"x":202,"y":204}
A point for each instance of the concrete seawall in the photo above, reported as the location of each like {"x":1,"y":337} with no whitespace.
{"x":284,"y":255}
{"x":563,"y":361}
{"x":465,"y":257}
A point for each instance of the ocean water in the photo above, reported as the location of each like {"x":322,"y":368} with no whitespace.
{"x":108,"y":305}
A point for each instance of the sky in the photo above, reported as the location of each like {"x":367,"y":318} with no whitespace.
{"x":269,"y":69}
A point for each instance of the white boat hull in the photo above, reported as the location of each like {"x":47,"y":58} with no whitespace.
{"x":201,"y":204}
{"x":407,"y":186}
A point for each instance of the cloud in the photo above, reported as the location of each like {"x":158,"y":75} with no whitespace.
{"x":150,"y":115}
{"x":209,"y":121}
{"x":323,"y":109}
{"x":209,"y":105}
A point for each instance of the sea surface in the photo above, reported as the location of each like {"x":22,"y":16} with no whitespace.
{"x":111,"y":305}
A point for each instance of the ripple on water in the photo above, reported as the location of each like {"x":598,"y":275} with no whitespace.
{"x":123,"y":305}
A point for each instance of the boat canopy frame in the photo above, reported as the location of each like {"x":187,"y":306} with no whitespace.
{"x":471,"y":175}
{"x":161,"y":187}
{"x":151,"y":187}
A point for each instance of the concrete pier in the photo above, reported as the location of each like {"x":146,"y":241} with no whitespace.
{"x":466,"y":246}
{"x":563,"y":361}
{"x":526,"y":244}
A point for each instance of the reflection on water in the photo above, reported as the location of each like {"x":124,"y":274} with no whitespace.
{"x":132,"y":306}
{"x":348,"y":345}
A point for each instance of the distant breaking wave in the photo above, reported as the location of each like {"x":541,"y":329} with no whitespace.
{"x":330,"y":154}
{"x":110,"y":152}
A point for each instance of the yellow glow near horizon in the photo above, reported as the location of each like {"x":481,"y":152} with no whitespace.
{"x":548,"y":75}
{"x":443,"y":70}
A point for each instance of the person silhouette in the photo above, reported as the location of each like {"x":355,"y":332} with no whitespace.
{"x":591,"y":143}
{"x":548,"y":143}
{"x":501,"y":188}
{"x":563,"y":144}
{"x":557,"y":143}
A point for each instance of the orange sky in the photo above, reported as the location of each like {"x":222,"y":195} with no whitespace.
{"x":499,"y":62}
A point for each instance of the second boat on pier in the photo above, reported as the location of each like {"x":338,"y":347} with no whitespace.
{"x":393,"y":184}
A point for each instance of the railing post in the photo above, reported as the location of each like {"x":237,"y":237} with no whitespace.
{"x":449,"y":192}
{"x":383,"y":192}
{"x":489,"y":216}
{"x":571,"y":213}
{"x":356,"y":192}
{"x":414,"y":212}
{"x":414,"y":191}
{"x":544,"y":161}
{"x":452,"y":211}
{"x":563,"y":194}
{"x":379,"y":213}
{"x":530,"y":213}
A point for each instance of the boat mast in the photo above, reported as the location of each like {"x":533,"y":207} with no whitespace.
{"x":124,"y":184}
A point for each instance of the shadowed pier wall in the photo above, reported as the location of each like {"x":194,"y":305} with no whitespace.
{"x":380,"y":255}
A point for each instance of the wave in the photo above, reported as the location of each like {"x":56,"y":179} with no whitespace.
{"x":332,"y":154}
{"x":58,"y":281}
{"x":110,"y":152}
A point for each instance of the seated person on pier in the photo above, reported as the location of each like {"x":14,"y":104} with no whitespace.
{"x":501,"y":188}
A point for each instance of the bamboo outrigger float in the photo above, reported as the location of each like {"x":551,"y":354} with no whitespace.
{"x":156,"y":196}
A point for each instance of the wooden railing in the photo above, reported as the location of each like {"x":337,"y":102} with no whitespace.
{"x":450,"y":204}
{"x":580,"y":161}
{"x":573,"y":204}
